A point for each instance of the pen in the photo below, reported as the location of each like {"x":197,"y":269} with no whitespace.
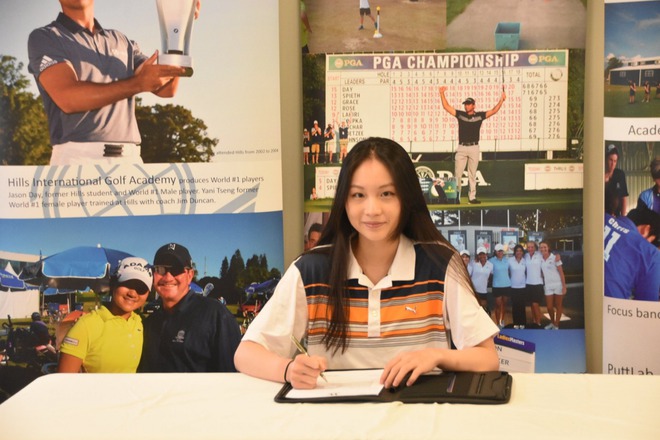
{"x":303,"y":351}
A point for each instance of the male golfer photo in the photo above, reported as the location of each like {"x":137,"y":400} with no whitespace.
{"x":467,"y":153}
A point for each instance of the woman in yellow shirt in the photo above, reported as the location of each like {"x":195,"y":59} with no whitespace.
{"x":109,"y":340}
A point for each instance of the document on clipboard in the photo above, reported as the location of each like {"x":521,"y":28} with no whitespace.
{"x":492,"y":387}
{"x":343,"y":383}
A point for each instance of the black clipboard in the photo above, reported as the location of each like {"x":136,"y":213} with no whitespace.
{"x":492,"y":387}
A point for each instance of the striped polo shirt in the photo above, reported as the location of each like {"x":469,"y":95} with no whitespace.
{"x":409,"y":309}
{"x":403,"y":310}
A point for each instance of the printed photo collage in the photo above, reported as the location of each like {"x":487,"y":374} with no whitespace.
{"x":506,"y":186}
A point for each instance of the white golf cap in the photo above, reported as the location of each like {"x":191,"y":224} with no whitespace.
{"x":134,"y":268}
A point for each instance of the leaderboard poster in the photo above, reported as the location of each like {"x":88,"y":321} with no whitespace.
{"x":398,"y":94}
{"x":379,"y":69}
{"x":209,"y":175}
{"x":631,"y":304}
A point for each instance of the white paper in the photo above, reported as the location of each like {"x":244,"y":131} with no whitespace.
{"x":343,"y":383}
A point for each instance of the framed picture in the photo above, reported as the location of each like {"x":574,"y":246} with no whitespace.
{"x":483,"y":239}
{"x":535,"y":236}
{"x":509,"y":240}
{"x":443,"y":217}
{"x":458,"y":239}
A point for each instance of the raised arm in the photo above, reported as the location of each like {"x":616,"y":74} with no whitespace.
{"x":448,"y":108}
{"x":72,"y":95}
{"x":497,"y":107}
{"x":305,"y":21}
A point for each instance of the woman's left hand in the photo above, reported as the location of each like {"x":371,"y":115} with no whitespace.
{"x":415,"y":362}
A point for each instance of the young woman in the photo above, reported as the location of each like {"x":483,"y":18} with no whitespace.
{"x":632,"y":90}
{"x":383,"y":289}
{"x":534,"y":281}
{"x":482,"y":271}
{"x":307,"y":142}
{"x":501,"y":283}
{"x":109,"y":340}
{"x":465,"y":256}
{"x":517,"y":274}
{"x":554,"y":286}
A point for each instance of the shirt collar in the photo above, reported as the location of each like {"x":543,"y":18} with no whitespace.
{"x":106,"y":314}
{"x":74,"y":27}
{"x":183,"y":303}
{"x":402,"y":269}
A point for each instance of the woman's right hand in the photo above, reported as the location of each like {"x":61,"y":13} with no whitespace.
{"x":305,"y":370}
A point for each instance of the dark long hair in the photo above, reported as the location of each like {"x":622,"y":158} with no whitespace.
{"x":415,"y":223}
{"x":516,"y":247}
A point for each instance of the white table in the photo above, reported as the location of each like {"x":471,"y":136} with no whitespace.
{"x":235,"y":406}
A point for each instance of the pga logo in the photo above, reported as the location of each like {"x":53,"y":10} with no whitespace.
{"x":424,"y":172}
{"x":348,"y":62}
{"x":542,"y":59}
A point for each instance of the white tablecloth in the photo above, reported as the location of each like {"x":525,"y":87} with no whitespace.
{"x":235,"y":406}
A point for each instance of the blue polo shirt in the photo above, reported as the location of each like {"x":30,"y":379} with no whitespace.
{"x":501,"y":272}
{"x":632,"y":264}
{"x":198,"y":335}
{"x":103,"y":56}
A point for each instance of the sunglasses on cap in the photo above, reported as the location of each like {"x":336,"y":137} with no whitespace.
{"x":173,"y":270}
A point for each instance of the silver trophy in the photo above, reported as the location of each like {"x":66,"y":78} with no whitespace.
{"x":176,"y":22}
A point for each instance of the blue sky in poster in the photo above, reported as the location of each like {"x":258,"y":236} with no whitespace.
{"x":226,"y":72}
{"x":632,"y":30}
{"x":210,"y":238}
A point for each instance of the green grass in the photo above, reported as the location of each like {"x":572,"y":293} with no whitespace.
{"x":616,"y":103}
{"x":456,"y":8}
{"x":21,"y":322}
{"x":562,"y":199}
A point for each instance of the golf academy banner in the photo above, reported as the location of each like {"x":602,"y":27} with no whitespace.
{"x":631,"y":256}
{"x":153,"y":189}
{"x":389,"y":70}
{"x":166,"y":145}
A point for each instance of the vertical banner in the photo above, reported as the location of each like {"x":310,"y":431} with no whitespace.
{"x":206,"y":174}
{"x":382,"y":68}
{"x":631,"y":304}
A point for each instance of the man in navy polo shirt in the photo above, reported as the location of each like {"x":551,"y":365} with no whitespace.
{"x":189,"y":332}
{"x":467,"y":153}
{"x":88,"y":77}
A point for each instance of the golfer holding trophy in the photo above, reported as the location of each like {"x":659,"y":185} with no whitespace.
{"x":176,"y":22}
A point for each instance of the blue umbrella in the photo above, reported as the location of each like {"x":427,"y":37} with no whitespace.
{"x":50,"y":291}
{"x":9,"y":281}
{"x":76,"y":268}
